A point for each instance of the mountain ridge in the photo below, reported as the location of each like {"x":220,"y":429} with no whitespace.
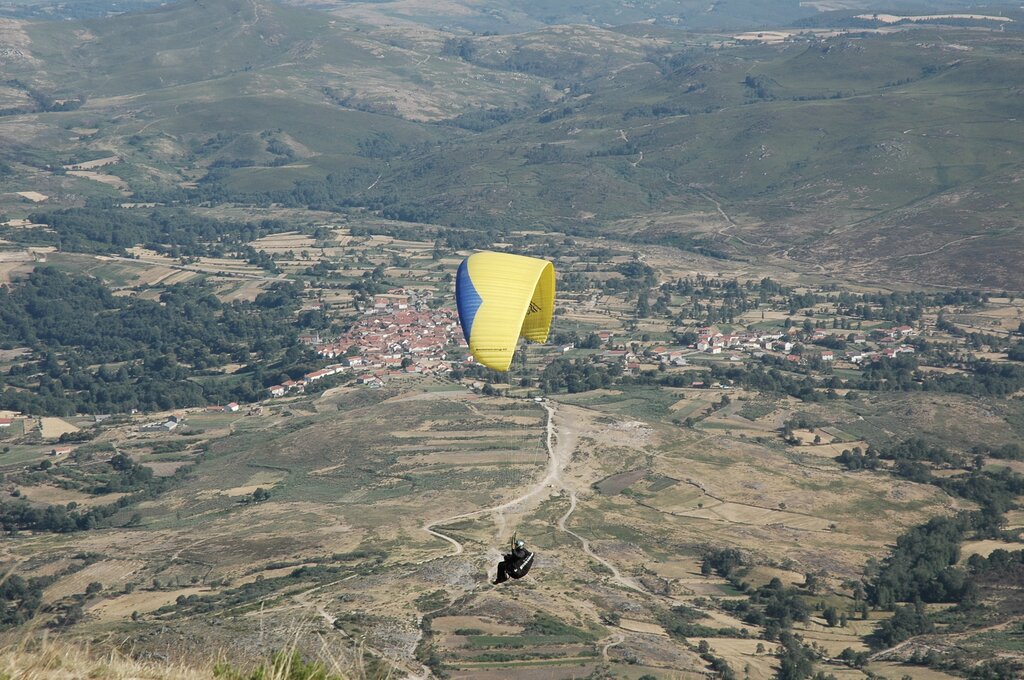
{"x":838,"y":148}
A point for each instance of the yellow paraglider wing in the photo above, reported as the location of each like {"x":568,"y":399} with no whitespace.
{"x":500,"y":298}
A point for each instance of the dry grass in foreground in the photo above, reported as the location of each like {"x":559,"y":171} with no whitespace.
{"x":48,"y":659}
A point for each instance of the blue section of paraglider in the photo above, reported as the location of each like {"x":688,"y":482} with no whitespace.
{"x":466,"y":298}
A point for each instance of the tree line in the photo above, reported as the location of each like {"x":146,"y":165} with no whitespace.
{"x":93,"y":352}
{"x":175,"y":232}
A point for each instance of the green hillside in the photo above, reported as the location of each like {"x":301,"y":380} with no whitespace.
{"x":851,"y":149}
{"x":809,"y":145}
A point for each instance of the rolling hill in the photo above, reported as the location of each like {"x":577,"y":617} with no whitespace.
{"x":889,"y":151}
{"x":852,"y":149}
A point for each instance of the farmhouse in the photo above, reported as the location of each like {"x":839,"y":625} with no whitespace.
{"x":168,"y":425}
{"x":371,"y":381}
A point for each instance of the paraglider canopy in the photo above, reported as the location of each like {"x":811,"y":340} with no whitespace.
{"x":503,"y":297}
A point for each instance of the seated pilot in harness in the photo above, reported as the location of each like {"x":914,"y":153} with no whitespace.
{"x":515,"y":564}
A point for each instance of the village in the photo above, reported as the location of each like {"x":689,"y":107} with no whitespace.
{"x":400,"y":335}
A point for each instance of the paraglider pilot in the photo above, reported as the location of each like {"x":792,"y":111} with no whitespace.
{"x":515,"y":564}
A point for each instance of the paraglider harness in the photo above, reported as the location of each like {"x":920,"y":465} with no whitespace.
{"x":516,"y":564}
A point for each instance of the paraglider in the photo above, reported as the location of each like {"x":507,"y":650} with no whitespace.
{"x":515,"y":564}
{"x":503,"y":297}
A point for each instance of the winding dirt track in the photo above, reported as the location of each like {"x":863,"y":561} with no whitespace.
{"x":585,"y":544}
{"x":558,"y":457}
{"x":560,"y":443}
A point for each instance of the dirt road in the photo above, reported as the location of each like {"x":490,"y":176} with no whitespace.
{"x":559,"y":450}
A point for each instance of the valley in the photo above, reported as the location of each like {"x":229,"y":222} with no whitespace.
{"x":775,"y":431}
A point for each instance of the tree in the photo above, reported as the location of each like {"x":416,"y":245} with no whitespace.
{"x":643,"y":307}
{"x":71,"y":616}
{"x":796,"y":661}
{"x":811,"y":582}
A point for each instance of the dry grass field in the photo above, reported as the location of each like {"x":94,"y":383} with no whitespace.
{"x":52,"y":495}
{"x":109,"y":180}
{"x":742,"y":655}
{"x":111,"y":574}
{"x":53,"y":428}
{"x":59,"y":660}
{"x":120,"y":608}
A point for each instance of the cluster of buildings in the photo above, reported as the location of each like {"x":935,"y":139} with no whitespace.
{"x":859,"y":357}
{"x":299,"y":386}
{"x":713,"y":342}
{"x":398,"y":335}
{"x":169,"y":425}
{"x":634,"y":362}
{"x":890,"y":341}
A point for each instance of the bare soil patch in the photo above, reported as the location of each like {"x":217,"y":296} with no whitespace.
{"x":617,"y":483}
{"x":896,"y":670}
{"x":741,"y":653}
{"x":449,"y":624}
{"x":642,"y":627}
{"x":109,"y":180}
{"x":92,"y":165}
{"x":262,"y":479}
